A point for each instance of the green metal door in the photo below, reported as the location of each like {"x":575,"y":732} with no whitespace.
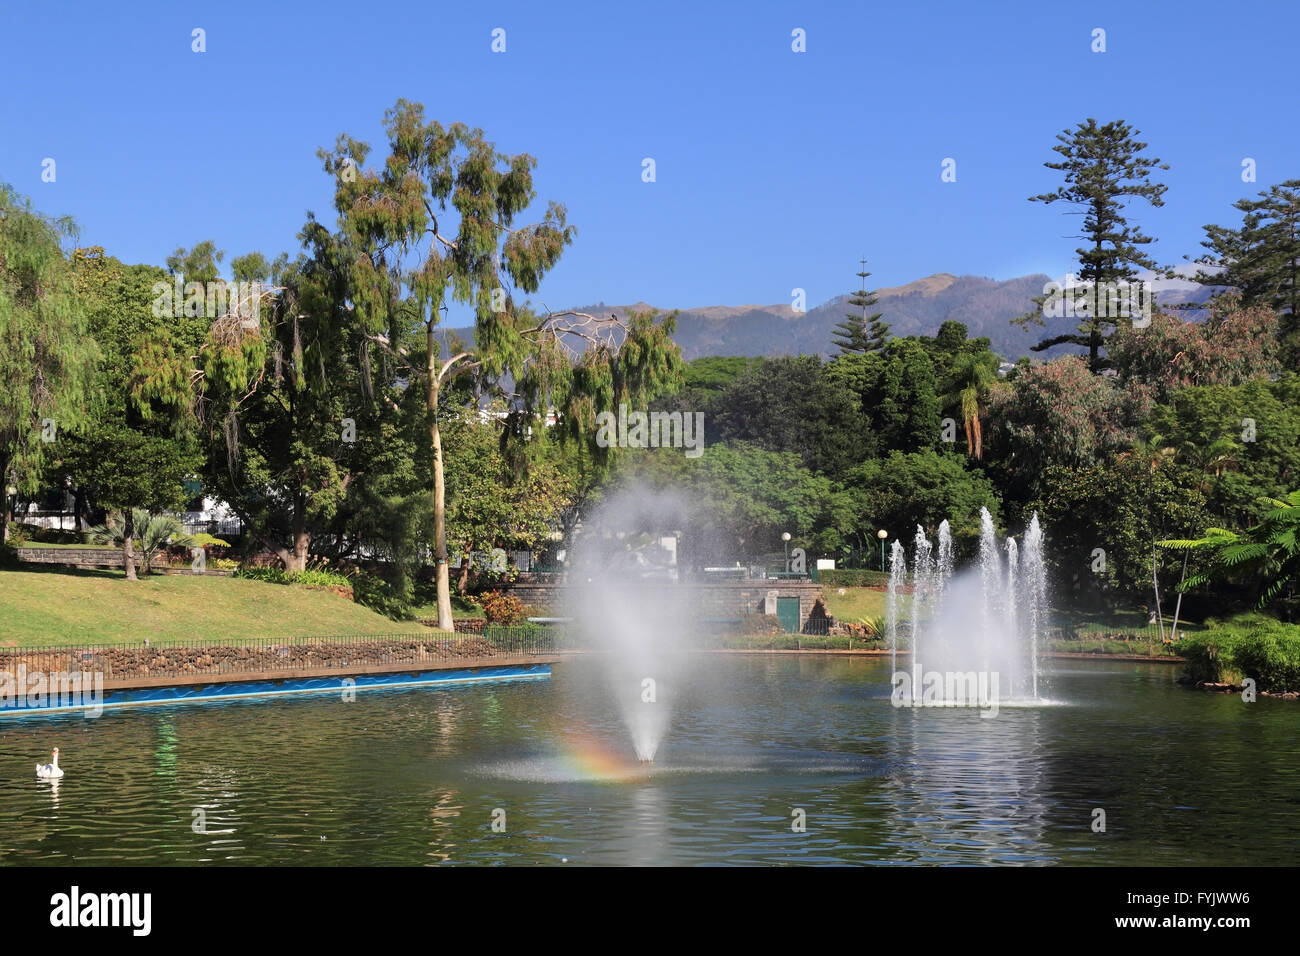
{"x":787,"y":612}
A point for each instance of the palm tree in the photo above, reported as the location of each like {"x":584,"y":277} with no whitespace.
{"x":974,"y":374}
{"x":1212,"y":460}
{"x":1269,"y":550}
{"x":1151,"y":452}
{"x":153,"y":532}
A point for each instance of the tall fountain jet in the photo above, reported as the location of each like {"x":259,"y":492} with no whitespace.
{"x":897,"y":575}
{"x":638,"y":619}
{"x":988,"y":619}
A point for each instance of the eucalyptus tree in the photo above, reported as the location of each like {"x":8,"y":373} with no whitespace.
{"x":437,"y":223}
{"x":46,"y":358}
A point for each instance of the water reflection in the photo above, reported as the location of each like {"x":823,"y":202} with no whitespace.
{"x":412,"y":777}
{"x":967,"y":789}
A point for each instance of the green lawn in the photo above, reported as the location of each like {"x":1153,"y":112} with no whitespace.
{"x":854,"y":604}
{"x":51,"y":608}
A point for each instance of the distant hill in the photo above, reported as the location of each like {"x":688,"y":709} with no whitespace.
{"x":986,"y":306}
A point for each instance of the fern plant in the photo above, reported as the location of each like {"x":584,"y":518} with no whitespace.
{"x":1269,"y":550}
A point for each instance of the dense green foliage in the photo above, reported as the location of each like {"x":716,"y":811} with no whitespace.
{"x":1252,"y":646}
{"x":339,"y":427}
{"x":1260,"y":259}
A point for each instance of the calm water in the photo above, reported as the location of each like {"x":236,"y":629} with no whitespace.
{"x":414,"y":777}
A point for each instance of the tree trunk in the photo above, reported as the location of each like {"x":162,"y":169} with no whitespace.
{"x":463,"y":584}
{"x":301,"y":549}
{"x":439,"y":491}
{"x":128,"y":545}
{"x":295,"y":558}
{"x":1173,"y":633}
{"x":4,"y":500}
{"x":1155,"y":581}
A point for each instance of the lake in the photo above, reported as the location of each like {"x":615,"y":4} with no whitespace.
{"x":757,"y":746}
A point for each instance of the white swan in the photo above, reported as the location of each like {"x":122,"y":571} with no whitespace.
{"x":50,"y":771}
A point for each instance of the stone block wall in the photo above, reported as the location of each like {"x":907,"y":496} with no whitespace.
{"x":81,"y":557}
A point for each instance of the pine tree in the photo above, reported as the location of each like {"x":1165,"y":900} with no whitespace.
{"x":1260,"y":260}
{"x":1102,"y":167}
{"x":860,"y":332}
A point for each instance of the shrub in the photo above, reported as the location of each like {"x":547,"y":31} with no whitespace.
{"x":501,"y":608}
{"x":1271,"y":655}
{"x":391,"y":599}
{"x":313,"y":577}
{"x":852,"y":578}
{"x":269,"y":575}
{"x":1252,"y":646}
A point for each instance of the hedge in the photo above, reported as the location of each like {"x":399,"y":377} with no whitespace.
{"x":852,"y":578}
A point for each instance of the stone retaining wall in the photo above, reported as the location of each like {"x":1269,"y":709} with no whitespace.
{"x":81,"y":557}
{"x":117,"y":663}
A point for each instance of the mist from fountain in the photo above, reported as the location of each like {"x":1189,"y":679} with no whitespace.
{"x":986,"y":619}
{"x":631,"y":610}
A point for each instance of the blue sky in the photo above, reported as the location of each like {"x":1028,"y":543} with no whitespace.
{"x":775,"y":169}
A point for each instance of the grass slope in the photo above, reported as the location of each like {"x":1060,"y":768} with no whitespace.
{"x":854,"y":604}
{"x":51,"y":608}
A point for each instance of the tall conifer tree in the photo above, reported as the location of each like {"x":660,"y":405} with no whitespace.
{"x":1103,"y":167}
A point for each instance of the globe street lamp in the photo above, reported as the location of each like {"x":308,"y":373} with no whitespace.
{"x":785,"y":541}
{"x":882,"y":534}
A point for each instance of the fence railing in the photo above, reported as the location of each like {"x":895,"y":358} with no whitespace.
{"x":196,"y":658}
{"x":186,"y":659}
{"x":1137,"y":634}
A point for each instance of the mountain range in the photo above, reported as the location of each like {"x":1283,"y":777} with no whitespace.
{"x":986,"y":306}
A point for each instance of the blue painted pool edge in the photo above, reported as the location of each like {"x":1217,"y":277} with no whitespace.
{"x":205,"y":693}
